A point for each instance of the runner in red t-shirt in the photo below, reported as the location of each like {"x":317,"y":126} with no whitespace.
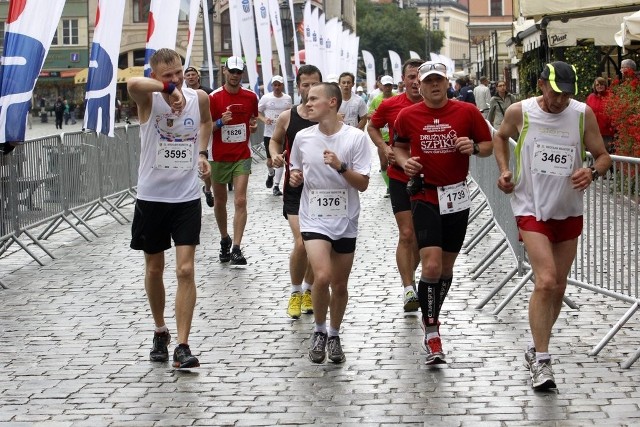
{"x":407,"y":256}
{"x":433,"y":142}
{"x":234,"y":111}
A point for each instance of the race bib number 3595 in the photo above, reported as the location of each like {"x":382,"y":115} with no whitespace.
{"x":174,"y":155}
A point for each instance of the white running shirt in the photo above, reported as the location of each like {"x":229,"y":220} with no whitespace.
{"x":550,"y":148}
{"x":351,"y":146}
{"x":168,"y":170}
{"x":271,"y":106}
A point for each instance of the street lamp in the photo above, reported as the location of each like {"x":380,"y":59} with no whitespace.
{"x":436,"y":24}
{"x":287,"y":35}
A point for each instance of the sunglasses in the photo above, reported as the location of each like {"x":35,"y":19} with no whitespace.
{"x":432,"y":66}
{"x":234,"y":71}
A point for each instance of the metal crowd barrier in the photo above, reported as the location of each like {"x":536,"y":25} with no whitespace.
{"x":607,"y":258}
{"x":65,"y":179}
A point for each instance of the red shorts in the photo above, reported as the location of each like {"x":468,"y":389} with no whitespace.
{"x":557,"y":230}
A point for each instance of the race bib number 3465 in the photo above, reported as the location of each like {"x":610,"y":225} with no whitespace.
{"x":175,"y":155}
{"x":328,"y":203}
{"x":551,"y":159}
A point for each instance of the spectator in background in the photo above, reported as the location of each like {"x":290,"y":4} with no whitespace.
{"x":628,"y":68}
{"x":465,"y":93}
{"x":499,"y":104}
{"x":597,"y":101}
{"x":482,"y":94}
{"x":192,"y":80}
{"x":66,"y":112}
{"x":400,"y":87}
{"x":58,"y":109}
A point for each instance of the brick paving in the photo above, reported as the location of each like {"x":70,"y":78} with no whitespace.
{"x":76,"y":334}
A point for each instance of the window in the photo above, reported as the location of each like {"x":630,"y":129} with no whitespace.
{"x":141,"y":10}
{"x":70,"y":32}
{"x":54,"y":42}
{"x":2,"y":33}
{"x":496,"y":8}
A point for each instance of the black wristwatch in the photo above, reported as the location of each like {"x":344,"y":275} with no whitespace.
{"x":343,"y":168}
{"x":476,"y":149}
{"x":204,"y":153}
{"x":594,"y":174}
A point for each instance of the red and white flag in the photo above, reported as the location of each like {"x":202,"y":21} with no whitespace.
{"x":103,"y":67}
{"x":29,"y":30}
{"x":162,"y":28}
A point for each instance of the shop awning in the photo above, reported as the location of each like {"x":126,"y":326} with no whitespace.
{"x":537,"y":9}
{"x":629,"y":30}
{"x":127,"y":73}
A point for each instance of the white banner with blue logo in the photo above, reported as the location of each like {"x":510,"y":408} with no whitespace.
{"x":248,"y":38}
{"x":103,"y":67}
{"x":29,"y":30}
{"x":330,"y":46}
{"x":162,"y":28}
{"x":370,"y":66}
{"x":234,"y":20}
{"x":396,"y":66}
{"x":263,"y":25}
{"x":276,"y":24}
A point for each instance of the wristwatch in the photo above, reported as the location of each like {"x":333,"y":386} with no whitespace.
{"x":594,"y":174}
{"x":343,"y":168}
{"x":476,"y":149}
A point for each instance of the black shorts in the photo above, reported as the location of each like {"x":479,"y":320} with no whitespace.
{"x":346,"y":245}
{"x":291,"y":200}
{"x":400,"y":199}
{"x":266,"y":145}
{"x":155,"y":223}
{"x":433,"y":229}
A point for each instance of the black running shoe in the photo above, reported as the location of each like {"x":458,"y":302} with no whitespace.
{"x":225,"y":249}
{"x":182,"y":358}
{"x":159,"y":351}
{"x":336,"y":355}
{"x":269,"y":182}
{"x":276,"y":191}
{"x":237,"y":258}
{"x":317,"y":349}
{"x":208,"y":195}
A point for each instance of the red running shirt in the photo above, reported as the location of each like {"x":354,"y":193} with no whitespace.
{"x":432,"y":135}
{"x":231,"y":143}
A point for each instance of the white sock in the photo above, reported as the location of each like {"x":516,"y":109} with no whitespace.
{"x":432,"y":335}
{"x":161,"y":329}
{"x":271,"y":171}
{"x":320,"y":327}
{"x":278,"y":177}
{"x":305,"y":286}
{"x":408,"y":288}
{"x":542,"y":356}
{"x":333,"y":332}
{"x":296,"y":288}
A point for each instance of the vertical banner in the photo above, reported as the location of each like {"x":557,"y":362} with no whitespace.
{"x":314,"y":49}
{"x":344,"y":51}
{"x":234,"y":14}
{"x":413,"y":55}
{"x":276,"y":24}
{"x":263,"y":26}
{"x":322,"y":52}
{"x":29,"y":30}
{"x":194,"y":7}
{"x":370,"y":67}
{"x":103,"y":67}
{"x":396,"y":66}
{"x":248,"y":39}
{"x":331,"y":46}
{"x":296,"y":52}
{"x":162,"y":29}
{"x":308,"y":55}
{"x":353,"y":55}
{"x":207,"y":36}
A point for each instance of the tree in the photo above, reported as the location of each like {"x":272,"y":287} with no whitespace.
{"x":384,"y":27}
